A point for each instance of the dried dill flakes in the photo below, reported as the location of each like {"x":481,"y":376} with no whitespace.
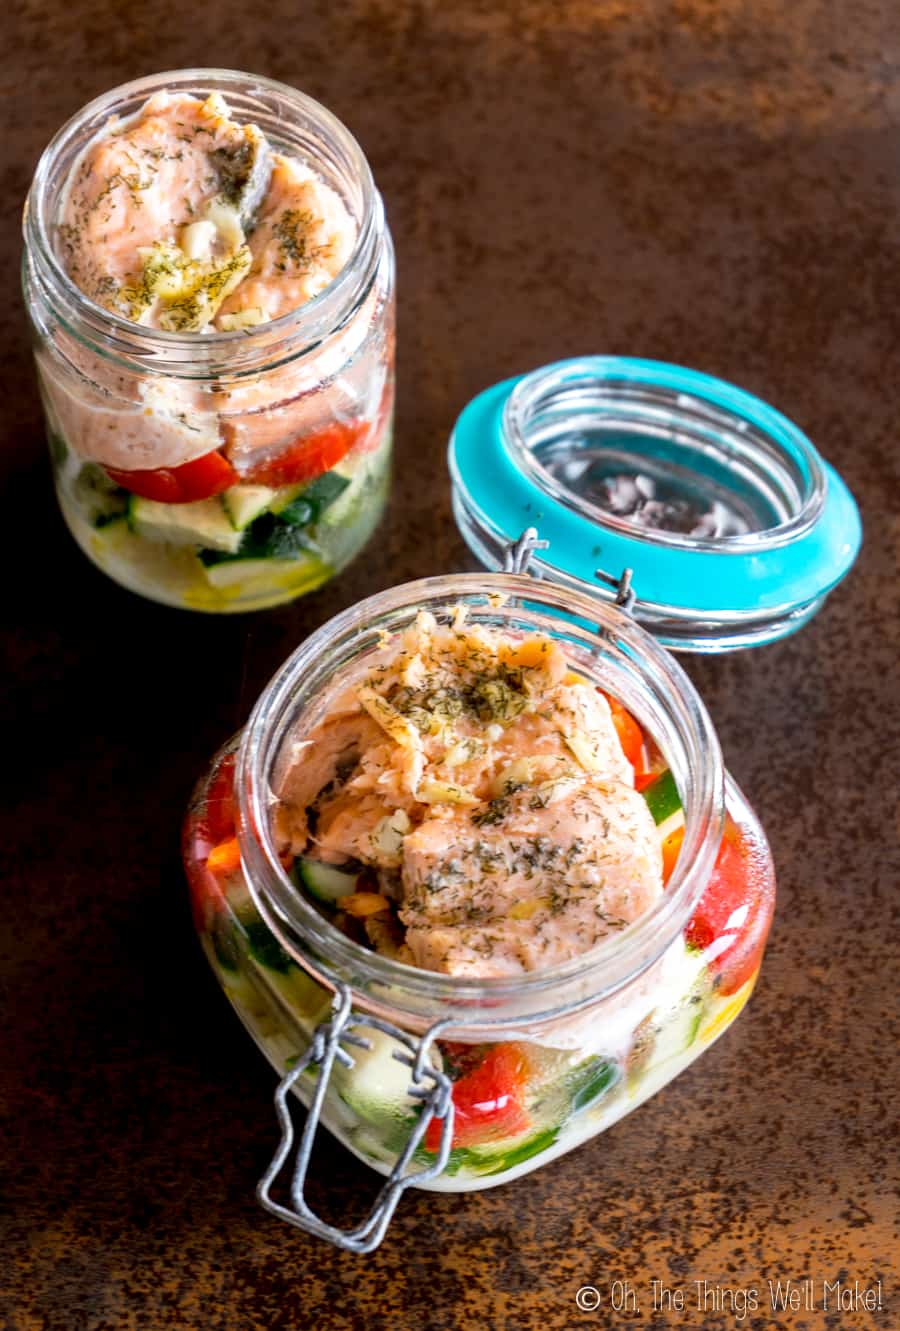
{"x":292,"y":233}
{"x":498,"y":808}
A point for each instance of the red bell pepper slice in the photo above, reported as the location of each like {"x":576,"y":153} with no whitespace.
{"x":738,"y":903}
{"x":488,"y":1100}
{"x":631,"y":737}
{"x":200,"y":479}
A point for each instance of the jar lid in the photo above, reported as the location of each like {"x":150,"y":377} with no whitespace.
{"x":734,"y":527}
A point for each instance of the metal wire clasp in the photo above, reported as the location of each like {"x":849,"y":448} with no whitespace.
{"x":625,"y":594}
{"x":517,"y":555}
{"x":427,"y":1084}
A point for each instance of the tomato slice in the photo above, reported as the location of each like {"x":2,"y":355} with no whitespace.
{"x":631,"y":737}
{"x":735,"y":911}
{"x":200,"y":479}
{"x":215,"y":821}
{"x":212,"y":824}
{"x":488,"y":1101}
{"x":308,"y":457}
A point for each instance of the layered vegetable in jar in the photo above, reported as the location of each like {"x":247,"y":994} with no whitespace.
{"x":213,"y":304}
{"x":464,"y":802}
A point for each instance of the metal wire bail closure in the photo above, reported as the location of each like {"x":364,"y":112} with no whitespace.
{"x":428,"y":1084}
{"x":625,"y":594}
{"x":517,"y":554}
{"x":517,"y":557}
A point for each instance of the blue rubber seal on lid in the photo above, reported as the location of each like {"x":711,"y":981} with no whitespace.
{"x":699,"y":593}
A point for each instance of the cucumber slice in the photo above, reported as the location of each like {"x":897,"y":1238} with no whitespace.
{"x":590,"y":1080}
{"x":284,"y":495}
{"x":324,"y":881}
{"x":357,"y":482}
{"x":498,"y":1162}
{"x":662,"y":796}
{"x":204,"y":523}
{"x":243,"y":503}
{"x":100,"y":499}
{"x":292,"y":574}
{"x":377,"y":1086}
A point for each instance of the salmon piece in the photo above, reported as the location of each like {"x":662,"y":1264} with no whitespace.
{"x":181,"y":218}
{"x":537,"y":745}
{"x":167,"y":425}
{"x":313,"y":764}
{"x":521,"y":841}
{"x":142,"y":181}
{"x":359,"y":827}
{"x":302,"y":238}
{"x":540,"y":875}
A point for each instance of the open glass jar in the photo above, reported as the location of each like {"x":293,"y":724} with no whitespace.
{"x":224,"y":469}
{"x":734,"y":527}
{"x":537,"y":1063}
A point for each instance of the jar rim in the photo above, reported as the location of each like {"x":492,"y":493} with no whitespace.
{"x":688,"y":400}
{"x":614,"y":415}
{"x":690,"y":745}
{"x":176,"y":353}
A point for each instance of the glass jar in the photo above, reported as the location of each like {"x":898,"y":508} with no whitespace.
{"x":228,"y":470}
{"x":540,"y":1062}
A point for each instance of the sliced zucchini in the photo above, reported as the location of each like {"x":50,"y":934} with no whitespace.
{"x":324,"y":881}
{"x":498,"y":1161}
{"x":203,"y":522}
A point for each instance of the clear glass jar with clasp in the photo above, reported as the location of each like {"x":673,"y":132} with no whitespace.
{"x":231,"y":469}
{"x":535,"y":1064}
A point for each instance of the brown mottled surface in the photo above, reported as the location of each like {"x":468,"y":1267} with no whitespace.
{"x":713,"y":183}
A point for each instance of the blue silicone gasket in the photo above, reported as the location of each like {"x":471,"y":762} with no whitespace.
{"x":728,"y":582}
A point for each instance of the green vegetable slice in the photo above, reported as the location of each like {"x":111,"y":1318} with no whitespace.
{"x":285,"y":534}
{"x":590,"y":1080}
{"x":662,"y":797}
{"x":323,"y":881}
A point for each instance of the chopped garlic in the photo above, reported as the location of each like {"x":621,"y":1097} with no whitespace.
{"x":586,"y":752}
{"x":197,"y":239}
{"x":444,"y":792}
{"x":388,"y":834}
{"x":390,"y":720}
{"x":249,"y":318}
{"x":227,"y":223}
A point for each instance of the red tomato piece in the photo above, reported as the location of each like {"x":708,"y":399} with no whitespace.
{"x":308,"y":457}
{"x":488,"y":1100}
{"x":205,"y":477}
{"x":209,"y":823}
{"x":214,"y":821}
{"x":200,"y":479}
{"x":737,"y":904}
{"x":631,"y":737}
{"x":159,"y":485}
{"x":373,"y":437}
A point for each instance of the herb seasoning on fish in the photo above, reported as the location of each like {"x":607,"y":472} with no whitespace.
{"x":491,"y":804}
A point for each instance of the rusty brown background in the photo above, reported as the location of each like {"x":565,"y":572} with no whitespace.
{"x":716,"y":183}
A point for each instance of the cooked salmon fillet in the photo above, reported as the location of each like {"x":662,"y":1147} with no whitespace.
{"x":482,"y":783}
